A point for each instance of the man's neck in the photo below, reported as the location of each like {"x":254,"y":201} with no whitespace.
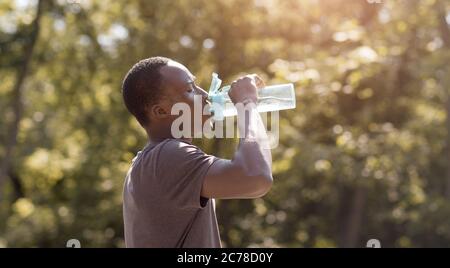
{"x":153,"y":138}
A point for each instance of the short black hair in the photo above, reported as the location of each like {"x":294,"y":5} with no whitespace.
{"x":142,"y":86}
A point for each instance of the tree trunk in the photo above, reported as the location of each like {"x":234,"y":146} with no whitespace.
{"x":17,"y":102}
{"x":16,"y":185}
{"x":353,"y":226}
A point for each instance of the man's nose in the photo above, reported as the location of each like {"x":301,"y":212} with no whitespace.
{"x":202,"y":92}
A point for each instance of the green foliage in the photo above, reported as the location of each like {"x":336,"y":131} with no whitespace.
{"x":365,"y":155}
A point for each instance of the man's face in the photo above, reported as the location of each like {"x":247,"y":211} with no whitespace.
{"x":179,"y":87}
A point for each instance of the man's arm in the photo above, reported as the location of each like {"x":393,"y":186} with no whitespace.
{"x":249,"y":173}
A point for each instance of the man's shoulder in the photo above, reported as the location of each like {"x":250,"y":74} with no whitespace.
{"x":171,"y":154}
{"x":170,"y":151}
{"x":166,"y":144}
{"x":176,"y":146}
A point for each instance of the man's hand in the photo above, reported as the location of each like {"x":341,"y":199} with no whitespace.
{"x":245,"y":89}
{"x":249,"y":173}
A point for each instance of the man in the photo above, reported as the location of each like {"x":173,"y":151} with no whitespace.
{"x":170,"y":187}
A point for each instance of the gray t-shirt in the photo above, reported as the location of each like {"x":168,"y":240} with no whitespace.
{"x":162,"y":206}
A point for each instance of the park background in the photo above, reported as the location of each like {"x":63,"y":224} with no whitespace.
{"x":366,"y":153}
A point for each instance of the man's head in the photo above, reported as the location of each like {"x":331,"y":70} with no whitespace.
{"x":152,"y":86}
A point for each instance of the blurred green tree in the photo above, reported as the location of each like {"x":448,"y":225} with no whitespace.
{"x":365,"y":155}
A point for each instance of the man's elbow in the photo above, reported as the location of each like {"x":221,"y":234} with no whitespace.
{"x":265,"y":182}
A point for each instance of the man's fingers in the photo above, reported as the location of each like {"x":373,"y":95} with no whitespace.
{"x":258,"y":81}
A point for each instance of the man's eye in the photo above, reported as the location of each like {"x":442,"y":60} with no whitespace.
{"x":191,"y":87}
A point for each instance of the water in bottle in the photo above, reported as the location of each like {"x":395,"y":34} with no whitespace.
{"x":270,"y":98}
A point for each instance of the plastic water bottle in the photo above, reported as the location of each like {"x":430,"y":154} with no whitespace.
{"x":270,"y":98}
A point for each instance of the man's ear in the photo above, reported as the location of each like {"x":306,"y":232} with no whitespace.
{"x":158,"y":111}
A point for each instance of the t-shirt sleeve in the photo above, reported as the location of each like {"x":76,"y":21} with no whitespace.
{"x":181,"y":169}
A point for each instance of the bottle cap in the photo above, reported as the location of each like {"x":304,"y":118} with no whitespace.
{"x":216,"y":98}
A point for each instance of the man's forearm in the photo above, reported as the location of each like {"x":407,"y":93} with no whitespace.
{"x":254,"y":151}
